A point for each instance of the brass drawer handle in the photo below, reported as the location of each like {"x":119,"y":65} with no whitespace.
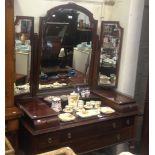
{"x":50,"y":140}
{"x":118,"y":137}
{"x":69,"y":135}
{"x":128,"y":122}
{"x":114,"y":125}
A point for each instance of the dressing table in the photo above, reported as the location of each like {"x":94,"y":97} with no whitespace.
{"x":100,"y":131}
{"x":41,"y":130}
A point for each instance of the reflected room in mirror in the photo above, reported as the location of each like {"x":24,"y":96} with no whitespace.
{"x":66,"y":39}
{"x":23,"y":42}
{"x":111,"y":42}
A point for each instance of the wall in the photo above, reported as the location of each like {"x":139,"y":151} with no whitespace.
{"x":38,"y":8}
{"x":143,"y":60}
{"x":128,"y":12}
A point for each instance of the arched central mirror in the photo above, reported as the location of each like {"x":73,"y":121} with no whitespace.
{"x":66,"y":46}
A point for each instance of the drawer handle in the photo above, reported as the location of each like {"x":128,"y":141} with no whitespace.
{"x":114,"y":125}
{"x":118,"y":137}
{"x":69,"y":135}
{"x":50,"y":140}
{"x":128,"y":122}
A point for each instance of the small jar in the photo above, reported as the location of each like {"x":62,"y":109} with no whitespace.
{"x":56,"y":104}
{"x":80,"y":103}
{"x":87,"y":92}
{"x":97,"y":104}
{"x":83,"y":93}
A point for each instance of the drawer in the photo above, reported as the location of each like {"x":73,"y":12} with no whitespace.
{"x":49,"y":139}
{"x":101,"y":140}
{"x":127,"y":121}
{"x":109,"y":125}
{"x":89,"y":130}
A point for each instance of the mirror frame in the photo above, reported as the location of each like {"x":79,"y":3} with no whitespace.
{"x":17,"y":19}
{"x":95,"y":46}
{"x":119,"y":52}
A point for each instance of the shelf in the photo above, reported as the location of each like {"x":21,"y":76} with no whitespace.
{"x":110,"y":48}
{"x":84,"y":29}
{"x":106,"y":85}
{"x":105,"y":67}
{"x":112,"y":36}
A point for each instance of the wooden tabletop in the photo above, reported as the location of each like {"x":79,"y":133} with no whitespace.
{"x":12,"y":113}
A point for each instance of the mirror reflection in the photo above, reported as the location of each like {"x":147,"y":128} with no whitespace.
{"x":66,"y":48}
{"x":23,"y":34}
{"x":111,"y":36}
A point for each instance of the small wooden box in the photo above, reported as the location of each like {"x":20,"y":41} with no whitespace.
{"x":38,"y":115}
{"x":61,"y":151}
{"x":120,"y":102}
{"x":8,"y":148}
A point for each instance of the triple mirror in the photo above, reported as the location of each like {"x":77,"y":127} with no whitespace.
{"x":66,"y":50}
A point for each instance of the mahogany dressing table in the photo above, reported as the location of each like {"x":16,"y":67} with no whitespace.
{"x":40,"y":128}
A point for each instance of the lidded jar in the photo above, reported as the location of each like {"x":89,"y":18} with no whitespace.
{"x":56,"y":104}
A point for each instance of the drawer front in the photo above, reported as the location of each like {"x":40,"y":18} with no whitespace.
{"x":50,"y":139}
{"x":127,"y":121}
{"x":86,"y":131}
{"x":102,"y":140}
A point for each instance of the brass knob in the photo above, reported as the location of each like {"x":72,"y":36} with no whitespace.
{"x":114,"y":125}
{"x":50,"y":140}
{"x":69,"y":135}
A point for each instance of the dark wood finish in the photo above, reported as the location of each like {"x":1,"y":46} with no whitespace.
{"x":12,"y":116}
{"x":37,"y":109}
{"x":97,"y":63}
{"x":116,"y":100}
{"x":145,"y":128}
{"x":9,"y":53}
{"x":100,"y":132}
{"x":34,"y":63}
{"x":12,"y":113}
{"x":39,"y":115}
{"x":94,"y":41}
